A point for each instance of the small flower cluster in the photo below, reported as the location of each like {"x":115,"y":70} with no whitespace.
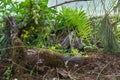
{"x":86,"y":56}
{"x":28,"y":32}
{"x":25,"y":35}
{"x":74,"y":51}
{"x":52,"y":48}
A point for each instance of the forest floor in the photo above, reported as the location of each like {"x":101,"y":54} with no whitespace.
{"x":97,"y":67}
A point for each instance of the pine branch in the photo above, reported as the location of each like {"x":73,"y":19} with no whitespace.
{"x":66,"y":2}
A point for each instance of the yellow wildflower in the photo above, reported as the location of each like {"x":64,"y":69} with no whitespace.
{"x":52,"y":48}
{"x":86,"y":56}
{"x":59,"y":44}
{"x":24,"y":36}
{"x":75,"y":51}
{"x":26,"y":32}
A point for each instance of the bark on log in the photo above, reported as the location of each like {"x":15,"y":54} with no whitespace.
{"x":45,"y":57}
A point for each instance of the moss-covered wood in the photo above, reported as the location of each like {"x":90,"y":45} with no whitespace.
{"x":17,"y":47}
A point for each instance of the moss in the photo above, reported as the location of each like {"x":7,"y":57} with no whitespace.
{"x":50,"y":58}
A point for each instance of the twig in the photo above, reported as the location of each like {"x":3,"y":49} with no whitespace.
{"x":66,"y":2}
{"x":102,"y":70}
{"x":104,"y":7}
{"x":109,"y":75}
{"x":20,"y":66}
{"x":71,"y":76}
{"x":47,"y":74}
{"x":80,"y":68}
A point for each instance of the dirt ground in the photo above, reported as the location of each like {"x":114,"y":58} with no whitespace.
{"x":96,"y":67}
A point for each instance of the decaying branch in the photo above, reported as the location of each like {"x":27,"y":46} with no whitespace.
{"x":18,"y":54}
{"x":8,"y":27}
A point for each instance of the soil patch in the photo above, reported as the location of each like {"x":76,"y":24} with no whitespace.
{"x":97,"y":67}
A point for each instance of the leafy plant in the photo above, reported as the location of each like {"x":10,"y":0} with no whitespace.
{"x":33,"y":18}
{"x":107,"y":36}
{"x":73,"y":20}
{"x":5,"y":43}
{"x":7,"y":8}
{"x":8,"y":73}
{"x":39,"y":16}
{"x":118,"y":33}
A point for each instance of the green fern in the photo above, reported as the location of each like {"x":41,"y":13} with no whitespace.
{"x":74,"y":20}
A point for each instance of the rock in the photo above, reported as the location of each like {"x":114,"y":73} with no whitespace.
{"x":72,"y":61}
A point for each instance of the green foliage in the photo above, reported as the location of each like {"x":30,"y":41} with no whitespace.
{"x":118,"y":33}
{"x":36,"y":21}
{"x":5,"y":40}
{"x":91,"y":48}
{"x":7,"y":8}
{"x":95,"y":25}
{"x":3,"y":46}
{"x":29,"y":13}
{"x":8,"y":73}
{"x":73,"y":20}
{"x":37,"y":15}
{"x":107,"y":36}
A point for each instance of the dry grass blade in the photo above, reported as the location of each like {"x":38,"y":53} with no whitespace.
{"x":102,"y":70}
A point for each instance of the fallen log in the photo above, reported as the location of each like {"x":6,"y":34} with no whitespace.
{"x":45,"y":57}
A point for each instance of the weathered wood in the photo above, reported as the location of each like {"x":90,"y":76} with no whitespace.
{"x":6,"y":31}
{"x":17,"y":47}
